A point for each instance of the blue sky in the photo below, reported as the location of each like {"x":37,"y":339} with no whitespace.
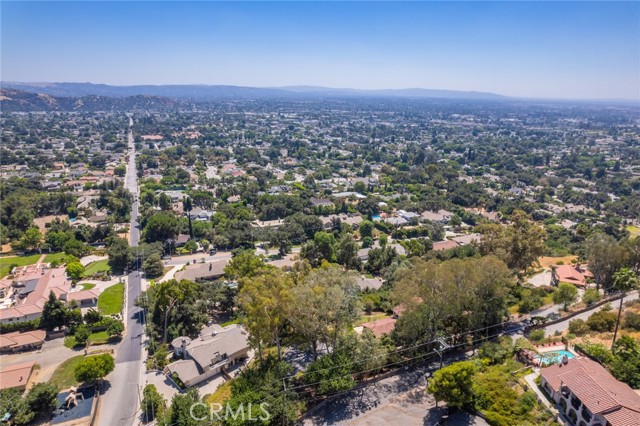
{"x":540,"y":49}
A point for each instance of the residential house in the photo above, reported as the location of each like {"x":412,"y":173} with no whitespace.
{"x":22,"y":341}
{"x":380,"y":327}
{"x":16,"y":376}
{"x":210,"y":354}
{"x":576,"y":275}
{"x":588,"y":395}
{"x":442,"y":216}
{"x":202,"y":271}
{"x":444,"y":245}
{"x":32,"y":292}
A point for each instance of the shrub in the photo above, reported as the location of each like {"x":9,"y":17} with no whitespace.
{"x":632,"y":321}
{"x":82,"y":334}
{"x":602,"y":321}
{"x":578,"y":327}
{"x":591,"y":296}
{"x":596,"y":351}
{"x":536,"y":335}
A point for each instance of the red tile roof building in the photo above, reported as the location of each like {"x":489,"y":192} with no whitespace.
{"x":571,"y":274}
{"x":587,"y":394}
{"x":381,"y":327}
{"x":16,"y":376}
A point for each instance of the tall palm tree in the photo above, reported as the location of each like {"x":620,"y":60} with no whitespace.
{"x":624,"y":280}
{"x":188,"y":206}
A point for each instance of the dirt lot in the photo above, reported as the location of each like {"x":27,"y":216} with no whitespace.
{"x":548,"y":262}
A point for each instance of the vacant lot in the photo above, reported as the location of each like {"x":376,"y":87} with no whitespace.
{"x":111,"y":299}
{"x":548,"y":262}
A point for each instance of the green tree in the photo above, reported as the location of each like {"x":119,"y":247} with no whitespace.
{"x":82,"y":334}
{"x":366,"y":228}
{"x":324,"y":305}
{"x":115,"y":329}
{"x":41,"y":399}
{"x":605,"y":257}
{"x":75,"y":270}
{"x":183,"y":412}
{"x":518,"y":245}
{"x":245,"y":265}
{"x":602,"y":321}
{"x":347,"y":252}
{"x":265,"y":300}
{"x":120,"y":256}
{"x":152,"y":403}
{"x":153,"y":266}
{"x":94,"y":368}
{"x":331,"y":373}
{"x":161,"y":226}
{"x":188,"y":206}
{"x":565,"y":294}
{"x":54,"y":313}
{"x":32,"y":239}
{"x":624,"y":280}
{"x":453,"y":384}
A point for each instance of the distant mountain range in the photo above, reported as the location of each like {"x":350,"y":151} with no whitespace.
{"x":19,"y":100}
{"x":212,"y":92}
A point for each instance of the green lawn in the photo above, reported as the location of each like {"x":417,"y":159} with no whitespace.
{"x":96,"y":267}
{"x":55,"y":257}
{"x":87,"y":286}
{"x":97,"y":338}
{"x":111,"y":299}
{"x":7,"y":262}
{"x":64,"y":377}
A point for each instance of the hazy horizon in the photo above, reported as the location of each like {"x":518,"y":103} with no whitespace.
{"x":526,"y":50}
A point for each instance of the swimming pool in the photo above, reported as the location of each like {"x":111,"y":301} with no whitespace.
{"x":553,"y":357}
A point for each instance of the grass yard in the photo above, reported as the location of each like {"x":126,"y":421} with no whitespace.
{"x":7,"y":262}
{"x":87,"y":286}
{"x":634,"y":231}
{"x":220,"y":395}
{"x":64,"y":376}
{"x":97,"y":338}
{"x":111,"y":299}
{"x":55,"y":257}
{"x":97,"y":267}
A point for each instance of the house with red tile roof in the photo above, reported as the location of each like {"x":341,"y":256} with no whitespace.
{"x":571,"y":274}
{"x":32,"y":291}
{"x":380,"y":327}
{"x":22,"y":341}
{"x":588,"y":395}
{"x":16,"y":376}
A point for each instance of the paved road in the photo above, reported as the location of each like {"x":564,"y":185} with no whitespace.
{"x":563,"y":325}
{"x":121,"y":399}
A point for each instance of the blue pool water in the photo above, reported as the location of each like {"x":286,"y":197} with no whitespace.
{"x":554,"y":357}
{"x":376,"y":217}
